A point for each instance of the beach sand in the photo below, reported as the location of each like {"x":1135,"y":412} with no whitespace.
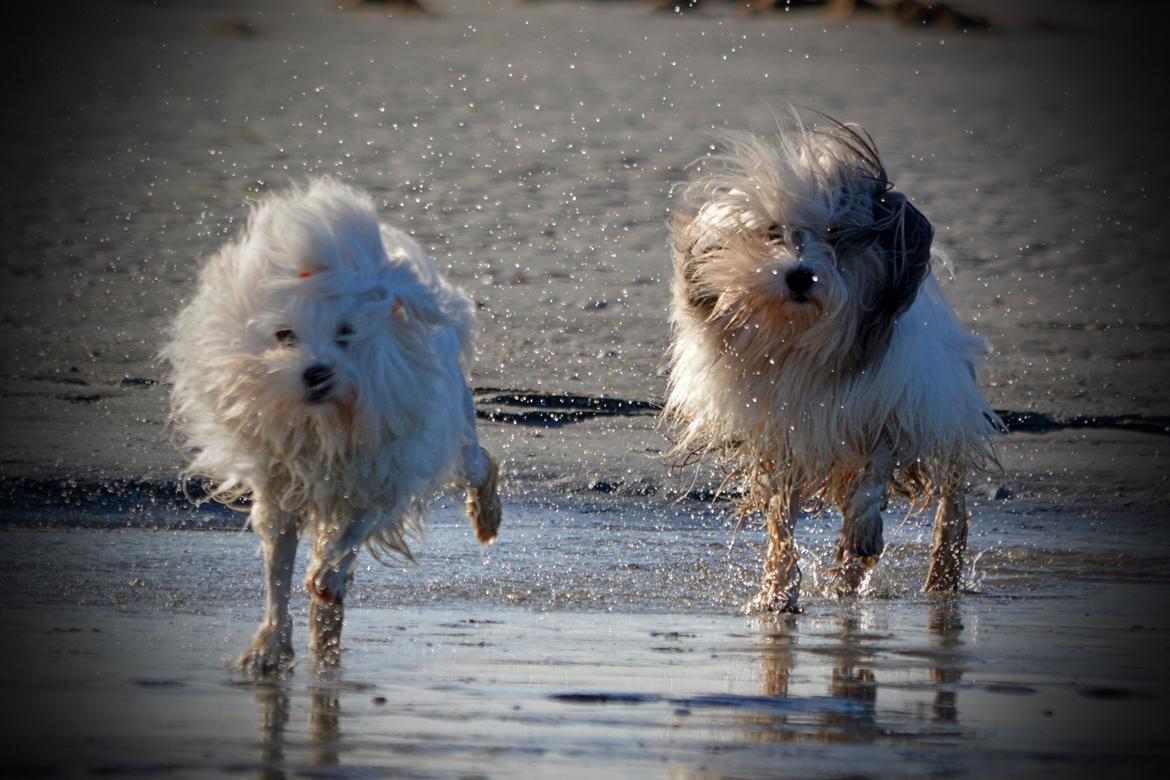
{"x":532,"y":149}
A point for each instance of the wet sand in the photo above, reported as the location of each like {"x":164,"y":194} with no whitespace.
{"x":532,"y":148}
{"x":977,"y":688}
{"x":587,"y":644}
{"x":1033,"y":676}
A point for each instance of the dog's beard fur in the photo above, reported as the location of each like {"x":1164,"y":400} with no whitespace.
{"x":799,"y":389}
{"x":396,"y":338}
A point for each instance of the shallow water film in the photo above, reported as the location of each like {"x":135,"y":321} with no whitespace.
{"x":586,"y":644}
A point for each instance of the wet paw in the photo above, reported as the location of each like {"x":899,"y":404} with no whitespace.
{"x":769,"y":600}
{"x":777,"y":594}
{"x":483,"y":502}
{"x":849,"y":573}
{"x":943,"y":576}
{"x":268,"y":655}
{"x":862,"y":537}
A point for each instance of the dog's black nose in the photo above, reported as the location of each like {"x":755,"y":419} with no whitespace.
{"x":317,"y":375}
{"x":800,"y":280}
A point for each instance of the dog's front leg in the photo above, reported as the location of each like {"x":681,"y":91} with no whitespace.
{"x":781,"y":587}
{"x":948,"y":540}
{"x":271,"y":648}
{"x":330,"y":573}
{"x":860,"y":541}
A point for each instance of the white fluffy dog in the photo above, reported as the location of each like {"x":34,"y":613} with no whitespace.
{"x":813,"y":347}
{"x":319,"y":375}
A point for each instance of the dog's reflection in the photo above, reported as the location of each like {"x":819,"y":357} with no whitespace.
{"x":852,"y":678}
{"x":324,"y":726}
{"x":273,"y":701}
{"x":776,"y":653}
{"x":946,"y":626}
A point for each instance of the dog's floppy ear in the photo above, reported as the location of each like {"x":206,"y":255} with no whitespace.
{"x":903,"y":240}
{"x":680,"y":236}
{"x":906,"y":241}
{"x":685,"y":263}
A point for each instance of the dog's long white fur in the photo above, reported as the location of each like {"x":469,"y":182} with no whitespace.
{"x":364,"y":300}
{"x":812,"y":420}
{"x":804,"y":396}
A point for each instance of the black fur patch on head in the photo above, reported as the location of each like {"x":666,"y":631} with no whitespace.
{"x":903,"y":237}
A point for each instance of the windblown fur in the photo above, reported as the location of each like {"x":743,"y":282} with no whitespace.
{"x":320,"y":370}
{"x":809,"y":332}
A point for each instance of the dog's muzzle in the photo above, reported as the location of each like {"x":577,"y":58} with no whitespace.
{"x":800,"y":280}
{"x":318,"y":379}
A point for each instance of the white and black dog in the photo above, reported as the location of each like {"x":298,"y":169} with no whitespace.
{"x":321,"y":372}
{"x":815,"y":349}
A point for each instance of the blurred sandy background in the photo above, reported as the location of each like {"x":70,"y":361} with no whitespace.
{"x":532,"y":148}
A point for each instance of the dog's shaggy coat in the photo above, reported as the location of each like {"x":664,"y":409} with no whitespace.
{"x":813,"y":348}
{"x":319,"y":377}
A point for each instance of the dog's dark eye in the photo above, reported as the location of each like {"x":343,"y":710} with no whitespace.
{"x":798,"y":238}
{"x":285,"y":337}
{"x":794,"y":238}
{"x":344,"y":334}
{"x":847,"y":242}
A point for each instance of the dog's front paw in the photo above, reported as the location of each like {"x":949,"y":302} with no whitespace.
{"x":862,"y":537}
{"x":269,"y":654}
{"x":772,"y":600}
{"x":777,"y":594}
{"x":850,"y":572}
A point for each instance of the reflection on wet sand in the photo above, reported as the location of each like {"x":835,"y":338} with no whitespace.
{"x":946,"y":626}
{"x":324,"y":726}
{"x":853,"y":680}
{"x":855,"y":651}
{"x":273,"y":701}
{"x":776,"y":656}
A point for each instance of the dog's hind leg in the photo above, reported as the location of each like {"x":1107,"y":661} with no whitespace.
{"x":860,"y":541}
{"x":479,"y":475}
{"x":781,"y":587}
{"x":948,"y":540}
{"x":271,"y":648}
{"x":483,"y":496}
